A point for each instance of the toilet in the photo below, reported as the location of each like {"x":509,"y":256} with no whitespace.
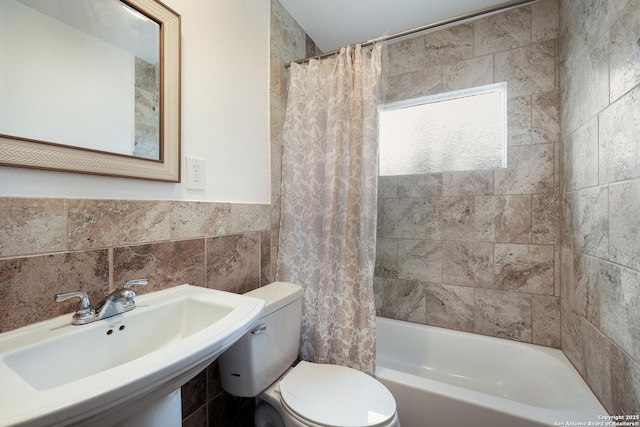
{"x":307,"y":394}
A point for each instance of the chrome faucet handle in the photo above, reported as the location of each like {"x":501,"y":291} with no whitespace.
{"x":130,"y":283}
{"x":84,"y":310}
{"x":129,"y":293}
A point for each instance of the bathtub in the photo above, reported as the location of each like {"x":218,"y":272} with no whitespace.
{"x":445,"y":378}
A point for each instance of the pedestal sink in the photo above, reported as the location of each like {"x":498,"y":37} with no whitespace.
{"x":109,"y":371}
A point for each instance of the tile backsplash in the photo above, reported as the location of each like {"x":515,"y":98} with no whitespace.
{"x":50,"y":246}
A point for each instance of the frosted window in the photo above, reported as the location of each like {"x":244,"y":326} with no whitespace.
{"x":462,"y":130}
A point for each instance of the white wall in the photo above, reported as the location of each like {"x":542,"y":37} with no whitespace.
{"x":225,"y":114}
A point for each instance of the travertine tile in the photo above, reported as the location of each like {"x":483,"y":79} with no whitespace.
{"x":567,"y":225}
{"x":274,"y":233}
{"x":625,"y":383}
{"x":276,"y":120}
{"x":467,"y":263}
{"x":503,"y":219}
{"x":31,"y":226}
{"x":620,"y":302}
{"x":401,"y":218}
{"x":450,"y":306}
{"x":467,"y":183}
{"x":557,"y":168}
{"x":407,"y":55}
{"x":274,"y":262}
{"x":165,"y":264}
{"x":468,"y":73}
{"x":28,"y":285}
{"x":423,"y":185}
{"x":580,"y":157}
{"x":450,"y":44}
{"x":502,"y":31}
{"x":619,"y":150}
{"x":386,"y":258}
{"x":103,"y":223}
{"x":530,"y":170}
{"x":414,"y":84}
{"x":580,"y":287}
{"x":276,"y":169}
{"x":556,"y":268}
{"x":199,"y":219}
{"x":433,"y":226}
{"x":524,"y":268}
{"x":545,"y":20}
{"x":590,"y":221}
{"x":545,"y":318}
{"x":266,"y":270}
{"x":597,"y":362}
{"x":545,"y":118}
{"x":503,"y":314}
{"x":519,"y":120}
{"x":387,"y":187}
{"x":624,"y":224}
{"x":593,"y":76}
{"x":571,"y":337}
{"x":624,"y":51}
{"x":420,"y":260}
{"x":570,"y":92}
{"x":405,"y":300}
{"x":249,"y":217}
{"x":527,"y":70}
{"x":612,"y":11}
{"x":287,"y":37}
{"x":456,"y":218}
{"x":233,"y":262}
{"x":545,"y":216}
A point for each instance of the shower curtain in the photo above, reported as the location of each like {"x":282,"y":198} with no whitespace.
{"x":328,"y":204}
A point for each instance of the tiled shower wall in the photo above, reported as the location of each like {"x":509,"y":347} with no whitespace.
{"x":478,"y":251}
{"x":57,"y":245}
{"x":600,"y":257}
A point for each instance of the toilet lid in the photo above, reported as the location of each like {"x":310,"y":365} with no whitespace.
{"x":338,"y":396}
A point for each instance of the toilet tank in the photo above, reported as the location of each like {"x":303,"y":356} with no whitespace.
{"x":264,"y":353}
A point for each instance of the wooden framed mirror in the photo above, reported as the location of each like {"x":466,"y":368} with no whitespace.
{"x":97,"y":91}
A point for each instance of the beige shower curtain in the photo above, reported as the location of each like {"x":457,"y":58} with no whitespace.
{"x":328,"y":217}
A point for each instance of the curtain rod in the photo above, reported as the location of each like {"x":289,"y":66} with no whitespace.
{"x":415,"y":31}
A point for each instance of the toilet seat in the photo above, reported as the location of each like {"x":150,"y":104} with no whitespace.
{"x":336,"y":396}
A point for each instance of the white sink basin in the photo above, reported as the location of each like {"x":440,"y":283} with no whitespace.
{"x":55,"y":373}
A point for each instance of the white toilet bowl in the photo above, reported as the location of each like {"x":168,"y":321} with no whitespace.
{"x":316,"y":395}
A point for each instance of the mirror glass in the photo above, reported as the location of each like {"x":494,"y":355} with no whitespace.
{"x":91,"y":86}
{"x":74,"y":68}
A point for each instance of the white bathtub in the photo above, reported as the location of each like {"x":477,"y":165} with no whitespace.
{"x":445,"y":378}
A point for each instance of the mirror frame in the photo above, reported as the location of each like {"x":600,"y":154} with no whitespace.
{"x":28,"y":153}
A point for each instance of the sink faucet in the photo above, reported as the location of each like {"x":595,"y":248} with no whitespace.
{"x":117,"y":302}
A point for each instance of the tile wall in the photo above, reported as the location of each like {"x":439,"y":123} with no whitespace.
{"x":599,"y":56}
{"x":478,"y":251}
{"x":50,"y":246}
